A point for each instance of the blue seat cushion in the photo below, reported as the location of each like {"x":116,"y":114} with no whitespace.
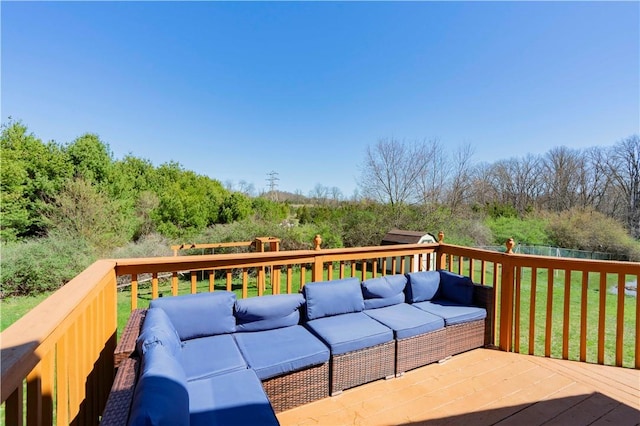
{"x":422,"y":286}
{"x":268,"y":312}
{"x":208,"y":356}
{"x":161,"y":395}
{"x":199,"y":315}
{"x":158,"y":329}
{"x":350,"y":332}
{"x":453,"y":313}
{"x":235,"y":398}
{"x":405,"y":320}
{"x":276,"y":352}
{"x":457,"y":288}
{"x":383,"y":291}
{"x":328,"y":298}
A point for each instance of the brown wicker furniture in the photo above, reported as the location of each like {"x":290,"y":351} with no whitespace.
{"x":127,"y":343}
{"x":298,"y":388}
{"x":423,"y":349}
{"x":362,"y":366}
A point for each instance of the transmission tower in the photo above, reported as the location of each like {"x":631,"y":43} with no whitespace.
{"x":273,"y":184}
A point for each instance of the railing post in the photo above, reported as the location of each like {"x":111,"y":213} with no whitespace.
{"x":274,"y":246}
{"x":441,"y":257}
{"x":316,"y":274}
{"x":506,"y":300}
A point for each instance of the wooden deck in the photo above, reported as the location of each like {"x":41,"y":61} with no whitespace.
{"x":486,"y":387}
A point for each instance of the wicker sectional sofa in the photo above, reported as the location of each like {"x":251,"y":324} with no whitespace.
{"x":211,"y":359}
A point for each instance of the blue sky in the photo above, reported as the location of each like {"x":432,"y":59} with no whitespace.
{"x":235,"y":90}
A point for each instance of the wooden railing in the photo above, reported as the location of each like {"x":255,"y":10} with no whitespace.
{"x":272,"y":272}
{"x":57,"y":361}
{"x":558,"y":307}
{"x":259,"y":244}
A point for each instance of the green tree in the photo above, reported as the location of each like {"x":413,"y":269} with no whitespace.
{"x":32,"y":173}
{"x":82,"y":211}
{"x":188,"y":202}
{"x":236,"y":206}
{"x":91,"y":158}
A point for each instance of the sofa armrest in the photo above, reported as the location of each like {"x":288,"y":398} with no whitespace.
{"x":484,"y":296}
{"x":127,"y":343}
{"x":116,"y":411}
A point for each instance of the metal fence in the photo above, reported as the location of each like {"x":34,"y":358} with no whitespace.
{"x":556,"y":252}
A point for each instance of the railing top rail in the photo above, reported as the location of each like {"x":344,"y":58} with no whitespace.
{"x":25,"y":341}
{"x":240,"y":260}
{"x":549,"y":262}
{"x":211,"y":245}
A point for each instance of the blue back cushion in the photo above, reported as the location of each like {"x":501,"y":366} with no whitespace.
{"x":456,"y":288}
{"x":161,"y":396}
{"x":199,"y":315}
{"x":328,"y":298}
{"x":422,"y":286}
{"x":268,"y":312}
{"x":383,"y":291}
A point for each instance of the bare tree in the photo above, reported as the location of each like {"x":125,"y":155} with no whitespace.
{"x":516,"y":182}
{"x":336,"y":194}
{"x":319,"y":193}
{"x":624,"y":166}
{"x":483,"y":188}
{"x":593,"y":179}
{"x":560,"y":167}
{"x":431,"y":183}
{"x":461,"y":178}
{"x":392,"y":169}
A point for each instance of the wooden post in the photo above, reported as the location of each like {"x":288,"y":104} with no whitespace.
{"x":274,"y":245}
{"x":441,"y":257}
{"x":506,"y":300}
{"x":316,"y":274}
{"x":261,"y":271}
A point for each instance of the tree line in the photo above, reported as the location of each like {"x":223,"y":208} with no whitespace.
{"x":65,"y":205}
{"x":80,"y":189}
{"x":602,"y":179}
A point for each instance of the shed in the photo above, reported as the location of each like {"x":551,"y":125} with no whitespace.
{"x":399,"y":236}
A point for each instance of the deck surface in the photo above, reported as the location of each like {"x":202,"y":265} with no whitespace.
{"x":486,"y":387}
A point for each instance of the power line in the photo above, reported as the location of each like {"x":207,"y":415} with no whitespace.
{"x":273,"y":184}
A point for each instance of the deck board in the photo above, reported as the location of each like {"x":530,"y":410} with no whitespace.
{"x":485,"y":387}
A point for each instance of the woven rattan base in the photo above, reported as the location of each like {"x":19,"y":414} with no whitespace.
{"x":116,"y":412}
{"x":358,"y":367}
{"x":127,"y":343}
{"x":298,"y":388}
{"x":464,"y":337}
{"x":416,"y":351}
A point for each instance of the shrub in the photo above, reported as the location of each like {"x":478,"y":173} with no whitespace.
{"x":582,"y":229}
{"x":530,"y":230}
{"x":45,"y":264}
{"x":151,"y":245}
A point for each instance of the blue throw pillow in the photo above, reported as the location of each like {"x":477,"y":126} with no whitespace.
{"x":422,"y":286}
{"x":156,"y":335}
{"x":200,"y":315}
{"x":456,"y":288}
{"x":384,"y":291}
{"x":156,"y":317}
{"x":268,"y":312}
{"x":161,"y":396}
{"x":328,"y":298}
